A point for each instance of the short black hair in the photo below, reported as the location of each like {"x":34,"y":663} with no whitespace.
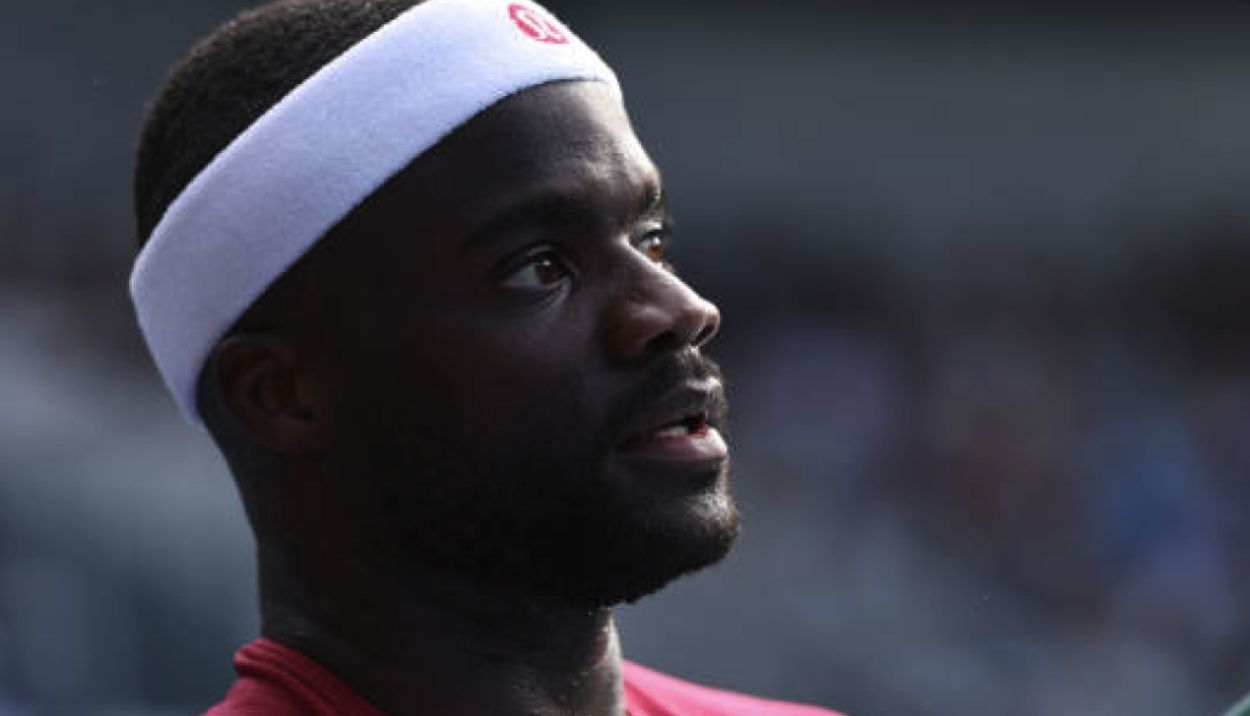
{"x":234,"y":76}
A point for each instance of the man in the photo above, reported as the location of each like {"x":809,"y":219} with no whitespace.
{"x":407,"y":265}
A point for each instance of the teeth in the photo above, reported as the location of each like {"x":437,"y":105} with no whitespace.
{"x":680,"y":430}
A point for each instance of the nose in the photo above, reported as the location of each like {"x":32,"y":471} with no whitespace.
{"x":657,"y":312}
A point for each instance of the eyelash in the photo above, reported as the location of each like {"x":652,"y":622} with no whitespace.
{"x":660,"y":239}
{"x":533,"y":258}
{"x":664,"y":233}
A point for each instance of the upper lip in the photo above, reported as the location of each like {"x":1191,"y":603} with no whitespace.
{"x":690,"y":399}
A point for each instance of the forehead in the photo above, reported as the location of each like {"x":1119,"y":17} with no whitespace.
{"x":569,"y":139}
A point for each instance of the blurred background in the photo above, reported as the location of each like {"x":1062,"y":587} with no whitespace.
{"x":984,"y":272}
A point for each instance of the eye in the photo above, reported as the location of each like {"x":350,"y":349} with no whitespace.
{"x":655,"y":244}
{"x":539,"y":271}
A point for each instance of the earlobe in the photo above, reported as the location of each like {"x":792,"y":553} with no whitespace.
{"x":269,"y":392}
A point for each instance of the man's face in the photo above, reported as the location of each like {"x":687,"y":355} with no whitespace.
{"x":516,"y":366}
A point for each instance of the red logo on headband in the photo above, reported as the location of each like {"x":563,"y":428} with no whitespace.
{"x":537,"y":25}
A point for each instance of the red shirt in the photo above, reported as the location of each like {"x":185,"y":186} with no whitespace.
{"x":275,"y":680}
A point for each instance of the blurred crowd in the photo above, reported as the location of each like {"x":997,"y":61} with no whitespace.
{"x":1029,"y":476}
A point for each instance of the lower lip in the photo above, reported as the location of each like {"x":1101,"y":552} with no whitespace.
{"x":705,"y":447}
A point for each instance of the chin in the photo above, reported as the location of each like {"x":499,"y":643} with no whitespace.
{"x":712,"y":549}
{"x":558,"y":534}
{"x":624,"y":564}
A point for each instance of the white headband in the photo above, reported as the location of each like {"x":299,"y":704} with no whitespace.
{"x":314,"y":156}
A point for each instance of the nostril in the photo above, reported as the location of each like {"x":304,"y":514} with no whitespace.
{"x":658,"y":313}
{"x":693,"y":332}
{"x":705,"y":334}
{"x":708,"y":326}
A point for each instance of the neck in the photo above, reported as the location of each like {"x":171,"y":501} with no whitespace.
{"x":424,"y":643}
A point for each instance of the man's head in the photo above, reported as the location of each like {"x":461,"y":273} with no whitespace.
{"x":487,"y":367}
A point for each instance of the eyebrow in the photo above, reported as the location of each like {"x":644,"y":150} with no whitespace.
{"x":654,"y":200}
{"x":560,"y":208}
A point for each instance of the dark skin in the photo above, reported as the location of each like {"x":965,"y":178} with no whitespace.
{"x":446,"y":422}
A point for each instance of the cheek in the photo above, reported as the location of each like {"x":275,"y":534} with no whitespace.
{"x":490,"y":388}
{"x":473,"y":366}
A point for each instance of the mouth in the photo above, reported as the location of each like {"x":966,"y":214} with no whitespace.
{"x":687,"y":426}
{"x":680,"y":430}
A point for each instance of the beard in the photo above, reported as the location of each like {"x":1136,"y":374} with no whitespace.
{"x":530,"y":504}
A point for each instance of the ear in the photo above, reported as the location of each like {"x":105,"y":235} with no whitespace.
{"x":270,"y":391}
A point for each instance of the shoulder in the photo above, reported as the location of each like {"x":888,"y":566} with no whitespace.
{"x":650,"y":693}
